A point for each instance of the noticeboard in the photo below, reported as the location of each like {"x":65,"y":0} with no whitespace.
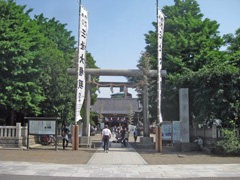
{"x":42,"y":127}
{"x":171,"y":130}
{"x":167,"y":131}
{"x":176,"y":131}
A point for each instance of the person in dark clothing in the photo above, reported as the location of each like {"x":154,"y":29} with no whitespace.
{"x":122,"y":132}
{"x":65,"y":136}
{"x":135,"y":135}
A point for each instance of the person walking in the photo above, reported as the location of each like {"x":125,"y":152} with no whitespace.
{"x":65,"y":136}
{"x":106,"y":135}
{"x":126,"y":137}
{"x":135,"y":134}
{"x":122,"y":132}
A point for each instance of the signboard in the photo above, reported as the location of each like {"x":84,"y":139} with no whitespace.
{"x":167,"y":131}
{"x":41,"y":127}
{"x":171,"y":130}
{"x":176,"y":131}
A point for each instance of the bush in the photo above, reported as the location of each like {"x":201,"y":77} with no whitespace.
{"x":229,"y":145}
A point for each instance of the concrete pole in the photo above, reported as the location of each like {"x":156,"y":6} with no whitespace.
{"x":184,"y":115}
{"x":87,"y":104}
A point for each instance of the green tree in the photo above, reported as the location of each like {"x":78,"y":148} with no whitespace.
{"x":189,"y":43}
{"x":57,"y":32}
{"x":59,"y":87}
{"x":233,"y":49}
{"x":213,"y":93}
{"x":229,"y":145}
{"x":91,"y":64}
{"x":144,"y":65}
{"x":34,"y":57}
{"x":20,"y":45}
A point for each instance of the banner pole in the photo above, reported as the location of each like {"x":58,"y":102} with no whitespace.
{"x":159,"y":127}
{"x":80,"y":3}
{"x":159,"y":118}
{"x":74,"y":134}
{"x":79,"y":25}
{"x":158,"y":101}
{"x":79,"y":12}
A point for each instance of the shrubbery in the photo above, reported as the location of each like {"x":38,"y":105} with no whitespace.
{"x":229,"y":145}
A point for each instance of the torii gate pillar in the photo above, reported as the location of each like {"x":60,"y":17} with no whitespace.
{"x":146,"y":141}
{"x":85,"y":138}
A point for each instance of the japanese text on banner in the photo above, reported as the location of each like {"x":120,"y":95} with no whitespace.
{"x":82,"y":44}
{"x":160,"y":40}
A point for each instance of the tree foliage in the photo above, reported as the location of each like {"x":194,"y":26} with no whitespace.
{"x":20,"y":49}
{"x":34,"y":57}
{"x":229,"y":145}
{"x":213,"y":93}
{"x":192,"y":58}
{"x":58,"y":86}
{"x":233,"y":49}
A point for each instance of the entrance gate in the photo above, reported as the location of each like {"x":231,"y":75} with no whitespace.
{"x":112,"y":72}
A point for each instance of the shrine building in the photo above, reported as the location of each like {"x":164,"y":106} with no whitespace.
{"x":117,"y":110}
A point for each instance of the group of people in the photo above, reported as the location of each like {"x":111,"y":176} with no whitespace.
{"x":122,"y":136}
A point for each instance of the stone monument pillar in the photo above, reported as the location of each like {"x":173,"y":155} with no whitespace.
{"x":184,"y":115}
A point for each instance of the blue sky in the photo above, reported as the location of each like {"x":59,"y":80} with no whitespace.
{"x":117,"y":28}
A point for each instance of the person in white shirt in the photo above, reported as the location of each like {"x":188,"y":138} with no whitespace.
{"x":106,"y":135}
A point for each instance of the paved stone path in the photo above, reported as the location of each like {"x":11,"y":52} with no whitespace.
{"x":117,"y":155}
{"x":120,"y":171}
{"x":120,"y":162}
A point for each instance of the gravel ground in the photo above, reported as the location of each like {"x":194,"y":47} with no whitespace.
{"x":82,"y":156}
{"x":170,"y":157}
{"x":48,"y":155}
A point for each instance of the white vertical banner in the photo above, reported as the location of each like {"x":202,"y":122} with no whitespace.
{"x":160,"y":30}
{"x":82,"y":44}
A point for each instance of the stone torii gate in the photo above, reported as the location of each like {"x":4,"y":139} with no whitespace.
{"x":85,"y":139}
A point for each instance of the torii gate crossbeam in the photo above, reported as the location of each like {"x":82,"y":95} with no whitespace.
{"x":116,"y":72}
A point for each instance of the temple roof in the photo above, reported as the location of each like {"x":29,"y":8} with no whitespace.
{"x":115,"y":105}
